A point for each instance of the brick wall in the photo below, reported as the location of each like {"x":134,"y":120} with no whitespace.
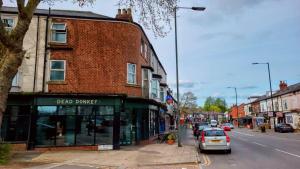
{"x":97,"y":60}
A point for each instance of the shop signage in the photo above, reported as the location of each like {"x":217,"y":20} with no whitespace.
{"x":76,"y":101}
{"x":68,"y":101}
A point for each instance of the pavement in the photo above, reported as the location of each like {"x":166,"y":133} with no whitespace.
{"x":250,"y":150}
{"x":154,"y":156}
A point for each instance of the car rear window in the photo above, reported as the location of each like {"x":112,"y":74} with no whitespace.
{"x":211,"y":133}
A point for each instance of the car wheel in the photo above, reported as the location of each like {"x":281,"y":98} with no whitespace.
{"x":229,"y":151}
{"x":280,"y":130}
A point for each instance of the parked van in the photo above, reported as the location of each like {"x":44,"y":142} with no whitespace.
{"x":213,"y":123}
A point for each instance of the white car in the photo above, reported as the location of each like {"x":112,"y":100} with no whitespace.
{"x":213,"y":123}
{"x":214,"y":139}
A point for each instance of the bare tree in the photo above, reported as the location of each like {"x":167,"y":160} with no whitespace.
{"x":188,"y":103}
{"x":153,"y":14}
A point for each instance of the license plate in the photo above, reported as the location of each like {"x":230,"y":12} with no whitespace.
{"x":215,"y":141}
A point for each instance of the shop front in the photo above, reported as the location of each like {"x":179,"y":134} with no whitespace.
{"x":60,"y":121}
{"x":45,"y":121}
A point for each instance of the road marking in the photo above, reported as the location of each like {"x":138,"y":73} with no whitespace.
{"x":243,"y":133}
{"x":259,"y":144}
{"x":295,"y":155}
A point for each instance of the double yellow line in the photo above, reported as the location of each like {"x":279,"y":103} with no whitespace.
{"x":206,"y":160}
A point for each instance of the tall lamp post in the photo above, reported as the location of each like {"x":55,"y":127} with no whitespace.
{"x":177,"y":76}
{"x":237,"y":108}
{"x":271,"y":92}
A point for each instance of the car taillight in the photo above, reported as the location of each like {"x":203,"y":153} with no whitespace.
{"x":202,"y":137}
{"x":227,"y":138}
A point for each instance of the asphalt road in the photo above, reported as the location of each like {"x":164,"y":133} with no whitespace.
{"x":252,"y":150}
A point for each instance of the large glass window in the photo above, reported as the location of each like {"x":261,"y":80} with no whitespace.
{"x":57,"y":70}
{"x":103,"y":125}
{"x":59,"y":33}
{"x":46,"y":126}
{"x":65,"y":125}
{"x":70,"y":125}
{"x":15,"y":123}
{"x":125,"y":128}
{"x":131,"y":73}
{"x":84,"y":125}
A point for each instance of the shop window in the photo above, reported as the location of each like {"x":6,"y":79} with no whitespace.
{"x":8,"y":24}
{"x":289,"y":119}
{"x":46,"y":126}
{"x":15,"y":123}
{"x":59,"y":33}
{"x":131,"y":73}
{"x":125,"y":128}
{"x":84,"y":125}
{"x":57,"y":70}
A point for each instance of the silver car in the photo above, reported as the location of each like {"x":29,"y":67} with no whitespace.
{"x":214,"y":139}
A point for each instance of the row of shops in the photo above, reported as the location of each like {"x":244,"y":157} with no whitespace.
{"x":81,"y":120}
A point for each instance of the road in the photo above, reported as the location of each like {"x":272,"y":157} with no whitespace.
{"x":252,"y":150}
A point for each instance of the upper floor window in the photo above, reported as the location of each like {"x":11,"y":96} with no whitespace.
{"x":154,"y":88}
{"x":162,"y":94}
{"x":285,"y":105}
{"x":142,"y":47}
{"x":15,"y":81}
{"x":8,"y":23}
{"x":131,"y":73}
{"x":145,"y":50}
{"x":57,"y":70}
{"x":59,"y":33}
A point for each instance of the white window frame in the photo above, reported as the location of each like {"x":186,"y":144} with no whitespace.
{"x":50,"y":69}
{"x":156,"y":89}
{"x":145,"y":50}
{"x":54,"y":31}
{"x":128,"y":64}
{"x":162,"y":91}
{"x":9,"y":29}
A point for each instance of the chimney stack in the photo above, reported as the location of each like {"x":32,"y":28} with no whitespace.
{"x":282,"y":85}
{"x":124,"y":14}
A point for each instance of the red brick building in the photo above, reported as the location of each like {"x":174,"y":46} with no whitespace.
{"x":102,"y":83}
{"x":237,"y":113}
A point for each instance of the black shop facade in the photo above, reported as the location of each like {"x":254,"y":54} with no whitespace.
{"x":56,"y":120}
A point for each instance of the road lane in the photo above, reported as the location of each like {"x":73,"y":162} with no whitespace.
{"x":255,"y":152}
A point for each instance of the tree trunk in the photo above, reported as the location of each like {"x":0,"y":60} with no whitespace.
{"x":10,"y":61}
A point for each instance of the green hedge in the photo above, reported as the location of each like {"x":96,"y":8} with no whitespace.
{"x":4,"y":153}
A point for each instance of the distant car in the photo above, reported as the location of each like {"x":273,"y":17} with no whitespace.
{"x":199,"y":127}
{"x":226,"y":127}
{"x":229,"y":125}
{"x":214,"y":139}
{"x":213,"y":123}
{"x":283,"y":127}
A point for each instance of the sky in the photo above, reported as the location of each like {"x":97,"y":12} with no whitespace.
{"x":217,"y":46}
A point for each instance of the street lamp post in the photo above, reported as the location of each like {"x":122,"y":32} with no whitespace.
{"x":237,"y":108}
{"x":271,"y":92}
{"x":177,"y":74}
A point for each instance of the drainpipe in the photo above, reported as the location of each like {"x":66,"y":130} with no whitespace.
{"x":46,"y":49}
{"x":36,"y":53}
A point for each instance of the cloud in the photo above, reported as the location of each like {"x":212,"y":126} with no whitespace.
{"x":228,"y":35}
{"x":249,"y":87}
{"x":234,"y":6}
{"x":184,"y":84}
